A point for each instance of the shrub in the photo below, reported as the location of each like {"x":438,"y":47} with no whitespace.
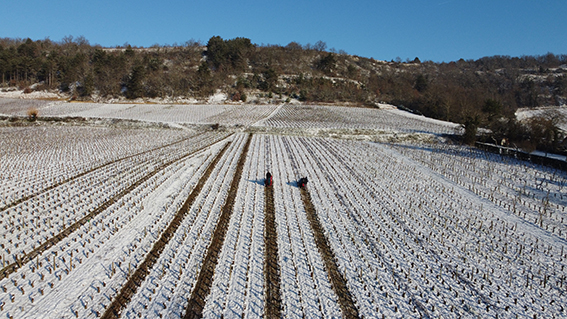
{"x":270,"y":80}
{"x":326,"y":64}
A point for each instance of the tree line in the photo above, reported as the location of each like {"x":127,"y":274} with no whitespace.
{"x":477,"y":93}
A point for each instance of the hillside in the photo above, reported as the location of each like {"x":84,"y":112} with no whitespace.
{"x":477,"y":93}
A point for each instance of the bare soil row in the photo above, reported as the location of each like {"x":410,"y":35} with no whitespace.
{"x":338,"y":282}
{"x":70,"y":179}
{"x":271,"y":265}
{"x":202,"y":288}
{"x":6,"y":271}
{"x":140,"y":274}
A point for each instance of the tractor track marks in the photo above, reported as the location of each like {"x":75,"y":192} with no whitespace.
{"x":140,"y":274}
{"x":271,"y":265}
{"x":202,"y":288}
{"x":11,"y":268}
{"x":338,"y":282}
{"x":70,"y":179}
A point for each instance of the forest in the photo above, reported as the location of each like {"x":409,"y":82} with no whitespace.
{"x":482,"y":93}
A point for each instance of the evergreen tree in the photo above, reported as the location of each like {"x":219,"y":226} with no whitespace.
{"x":421,"y":83}
{"x":134,"y":82}
{"x":203,"y":80}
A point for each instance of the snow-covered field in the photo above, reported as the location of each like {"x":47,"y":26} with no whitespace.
{"x":314,"y":116}
{"x":416,"y":229}
{"x":226,"y":114}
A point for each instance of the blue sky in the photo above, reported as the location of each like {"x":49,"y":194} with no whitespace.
{"x":439,"y":30}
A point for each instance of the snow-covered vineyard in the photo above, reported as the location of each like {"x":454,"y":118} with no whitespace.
{"x":119,"y":222}
{"x":313,"y":116}
{"x":195,"y":114}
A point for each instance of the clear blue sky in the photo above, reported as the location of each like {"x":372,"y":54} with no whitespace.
{"x":438,"y":30}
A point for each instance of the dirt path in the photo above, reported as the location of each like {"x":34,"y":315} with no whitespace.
{"x":338,"y":282}
{"x":271,"y":265}
{"x":140,"y":274}
{"x":202,"y":287}
{"x":6,"y":271}
{"x":48,"y":188}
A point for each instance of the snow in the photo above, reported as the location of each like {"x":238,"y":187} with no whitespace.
{"x":217,"y":98}
{"x":418,"y":227}
{"x":554,"y":156}
{"x":306,"y":289}
{"x":527,"y":113}
{"x":15,"y":93}
{"x":239,"y":278}
{"x":389,"y":120}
